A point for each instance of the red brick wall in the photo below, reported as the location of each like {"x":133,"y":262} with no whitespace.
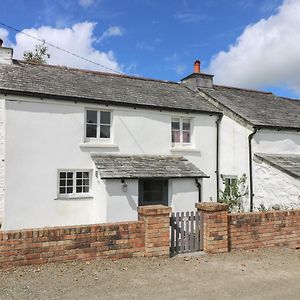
{"x":264,"y":229}
{"x":35,"y":246}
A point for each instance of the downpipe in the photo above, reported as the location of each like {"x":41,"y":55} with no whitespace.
{"x":198,"y":184}
{"x":250,"y":137}
{"x":218,"y":121}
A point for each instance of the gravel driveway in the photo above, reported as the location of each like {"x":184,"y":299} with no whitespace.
{"x":264,"y":274}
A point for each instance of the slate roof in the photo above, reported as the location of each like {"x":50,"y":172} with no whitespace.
{"x":258,"y":108}
{"x":288,"y":163}
{"x":75,"y":84}
{"x":145,"y":166}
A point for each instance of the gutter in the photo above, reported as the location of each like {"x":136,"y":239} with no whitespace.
{"x":250,"y":137}
{"x":198,"y":184}
{"x":218,"y":121}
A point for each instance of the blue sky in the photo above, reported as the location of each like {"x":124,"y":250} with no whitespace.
{"x":161,"y":39}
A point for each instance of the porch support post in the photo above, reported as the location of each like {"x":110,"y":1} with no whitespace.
{"x":215,"y":226}
{"x":157,"y":229}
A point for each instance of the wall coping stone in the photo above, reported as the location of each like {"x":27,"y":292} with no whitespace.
{"x":154,"y":210}
{"x":211,"y":206}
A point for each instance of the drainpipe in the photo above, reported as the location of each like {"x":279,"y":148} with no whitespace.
{"x":218,"y":121}
{"x":199,"y":189}
{"x":250,"y":137}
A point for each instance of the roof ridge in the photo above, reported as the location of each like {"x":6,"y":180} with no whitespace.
{"x":96,"y":72}
{"x":243,"y":89}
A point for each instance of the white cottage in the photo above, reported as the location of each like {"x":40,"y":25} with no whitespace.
{"x":259,"y":136}
{"x":88,"y":147}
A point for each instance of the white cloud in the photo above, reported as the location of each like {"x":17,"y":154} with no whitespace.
{"x":266,"y":54}
{"x":4,"y":36}
{"x":78,"y":39}
{"x":86,"y":3}
{"x":111,"y":31}
{"x":190,"y":17}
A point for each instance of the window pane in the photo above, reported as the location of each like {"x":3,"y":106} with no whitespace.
{"x":91,"y":116}
{"x":186,"y":124}
{"x":78,"y":182}
{"x":69,"y":182}
{"x":85,"y":189}
{"x":79,"y":189}
{"x":186,"y":137}
{"x":105,"y":131}
{"x":78,"y":174}
{"x":175,"y":124}
{"x":85,"y":182}
{"x":70,"y":190}
{"x":91,"y":131}
{"x":62,"y":174}
{"x":175,"y":136}
{"x":62,"y":190}
{"x":62,"y":182}
{"x":85,"y":174}
{"x":105,"y":117}
{"x":70,"y":174}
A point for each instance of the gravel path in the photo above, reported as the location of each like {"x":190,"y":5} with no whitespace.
{"x":264,"y":274}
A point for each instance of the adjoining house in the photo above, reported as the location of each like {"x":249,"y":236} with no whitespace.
{"x":82,"y":147}
{"x":79,"y":147}
{"x":257,"y":128}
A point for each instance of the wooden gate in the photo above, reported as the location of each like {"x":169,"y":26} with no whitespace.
{"x":186,"y":232}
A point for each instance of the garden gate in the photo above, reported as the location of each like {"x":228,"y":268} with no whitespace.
{"x":186,"y":232}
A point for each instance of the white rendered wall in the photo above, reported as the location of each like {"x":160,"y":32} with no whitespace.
{"x":2,"y":158}
{"x":274,"y":187}
{"x":44,"y":136}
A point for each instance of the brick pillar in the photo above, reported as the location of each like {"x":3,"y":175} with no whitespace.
{"x":157,"y":229}
{"x":215,"y":226}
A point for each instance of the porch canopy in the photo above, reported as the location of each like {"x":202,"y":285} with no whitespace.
{"x":145,"y":166}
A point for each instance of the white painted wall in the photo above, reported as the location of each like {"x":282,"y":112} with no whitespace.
{"x":2,"y":158}
{"x":46,"y":135}
{"x":274,"y":187}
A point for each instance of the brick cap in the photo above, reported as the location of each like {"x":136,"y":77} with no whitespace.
{"x":211,"y":206}
{"x":152,"y":210}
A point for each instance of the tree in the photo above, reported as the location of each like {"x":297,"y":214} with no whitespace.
{"x":39,"y":55}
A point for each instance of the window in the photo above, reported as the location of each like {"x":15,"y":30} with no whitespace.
{"x":98,"y":124}
{"x":153,"y":191}
{"x":181,"y":131}
{"x":73,"y":183}
{"x":230,"y":183}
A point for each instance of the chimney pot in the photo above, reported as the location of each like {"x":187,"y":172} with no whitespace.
{"x":197,"y":66}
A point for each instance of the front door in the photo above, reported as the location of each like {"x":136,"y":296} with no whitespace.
{"x":153,"y":191}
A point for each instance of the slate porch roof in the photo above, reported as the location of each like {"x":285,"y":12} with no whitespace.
{"x":288,"y":163}
{"x":260,"y":109}
{"x":89,"y":86}
{"x":145,"y":166}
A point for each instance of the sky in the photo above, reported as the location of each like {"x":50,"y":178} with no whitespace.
{"x":244,"y":43}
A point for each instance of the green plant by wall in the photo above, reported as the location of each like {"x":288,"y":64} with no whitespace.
{"x":234,"y":192}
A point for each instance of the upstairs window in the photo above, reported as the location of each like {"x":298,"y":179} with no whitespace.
{"x":181,"y":131}
{"x":98,"y":124}
{"x":73,"y":183}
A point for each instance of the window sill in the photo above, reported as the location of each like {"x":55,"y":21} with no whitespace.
{"x":97,"y":145}
{"x":184,"y":149}
{"x":74,"y":198}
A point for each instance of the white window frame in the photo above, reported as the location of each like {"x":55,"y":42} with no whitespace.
{"x":181,"y":143}
{"x":74,"y":194}
{"x":98,"y":138}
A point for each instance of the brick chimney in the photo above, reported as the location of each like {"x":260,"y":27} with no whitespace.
{"x":6,"y":54}
{"x":197,"y":79}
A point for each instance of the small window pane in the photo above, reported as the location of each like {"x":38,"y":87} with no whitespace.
{"x":175,"y":124}
{"x":85,"y":189}
{"x":85,"y":174}
{"x":78,"y":189}
{"x":91,"y":131}
{"x":105,"y":131}
{"x":85,"y":181}
{"x":69,"y":182}
{"x":62,"y":182}
{"x":70,"y":174}
{"x":78,"y":174}
{"x":69,"y":190}
{"x":62,"y":174}
{"x":186,"y":124}
{"x":62,"y":190}
{"x":79,"y":182}
{"x":186,"y":137}
{"x":91,"y":116}
{"x":175,"y":136}
{"x":105,"y":117}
